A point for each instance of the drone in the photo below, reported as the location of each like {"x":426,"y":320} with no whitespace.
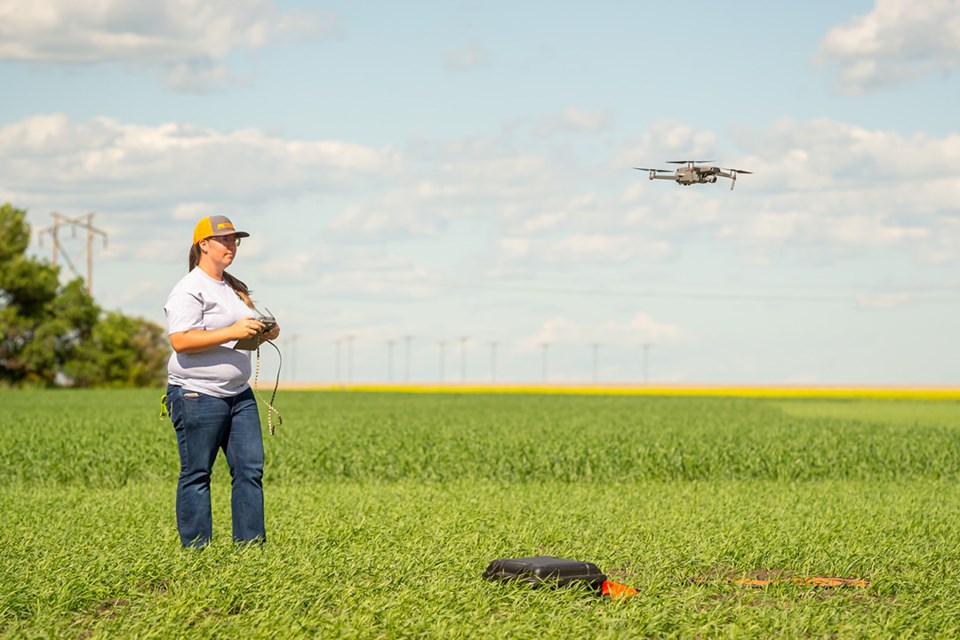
{"x":693,"y":174}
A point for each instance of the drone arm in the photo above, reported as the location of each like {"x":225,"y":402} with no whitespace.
{"x":729,"y":174}
{"x":654,"y":174}
{"x":732,"y":174}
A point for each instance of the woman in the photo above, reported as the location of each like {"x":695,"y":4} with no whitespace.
{"x":212,"y":326}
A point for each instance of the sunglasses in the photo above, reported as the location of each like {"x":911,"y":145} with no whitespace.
{"x":226,"y":240}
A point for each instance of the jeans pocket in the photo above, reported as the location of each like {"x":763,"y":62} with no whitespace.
{"x":189,"y":402}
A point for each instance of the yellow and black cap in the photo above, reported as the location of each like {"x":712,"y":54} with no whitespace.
{"x":215,"y":226}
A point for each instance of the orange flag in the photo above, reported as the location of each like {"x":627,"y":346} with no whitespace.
{"x":617,"y":591}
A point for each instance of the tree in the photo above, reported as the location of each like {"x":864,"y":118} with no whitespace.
{"x":122,"y":352}
{"x":52,"y":333}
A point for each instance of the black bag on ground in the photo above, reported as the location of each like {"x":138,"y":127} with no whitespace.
{"x":545,"y":570}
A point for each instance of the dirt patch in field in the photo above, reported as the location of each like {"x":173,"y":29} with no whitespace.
{"x":103,"y":610}
{"x":725,"y":573}
{"x":771,"y":577}
{"x":751,"y":588}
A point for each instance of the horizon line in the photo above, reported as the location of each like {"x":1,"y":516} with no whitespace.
{"x":757,"y":390}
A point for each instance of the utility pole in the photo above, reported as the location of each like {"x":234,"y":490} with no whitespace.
{"x":80,"y":221}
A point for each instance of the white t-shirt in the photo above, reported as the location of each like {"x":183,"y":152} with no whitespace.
{"x":201,"y":302}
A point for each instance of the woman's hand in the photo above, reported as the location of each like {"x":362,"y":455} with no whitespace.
{"x":273,"y":333}
{"x":245,"y":328}
{"x":197,"y":340}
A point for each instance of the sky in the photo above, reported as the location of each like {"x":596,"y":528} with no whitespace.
{"x":446,"y":192}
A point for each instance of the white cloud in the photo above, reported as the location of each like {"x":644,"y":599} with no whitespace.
{"x":187,"y":39}
{"x":552,"y":331}
{"x":197,"y":76}
{"x":390,"y":214}
{"x":457,"y":181}
{"x":645,"y":328}
{"x":52,"y":159}
{"x":819,"y":186}
{"x":865,"y":230}
{"x":839,"y":228}
{"x":192,"y":210}
{"x":882,"y":301}
{"x":895,"y":43}
{"x":543,"y":222}
{"x":515,"y":248}
{"x":603,"y":248}
{"x":667,"y":140}
{"x":639,"y":328}
{"x":372,"y":274}
{"x":944,"y":244}
{"x":837,"y":187}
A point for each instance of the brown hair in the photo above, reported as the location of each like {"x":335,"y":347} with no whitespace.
{"x":234,"y":283}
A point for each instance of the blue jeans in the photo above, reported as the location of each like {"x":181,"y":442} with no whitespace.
{"x":205,"y":424}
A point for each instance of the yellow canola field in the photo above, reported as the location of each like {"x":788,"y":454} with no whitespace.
{"x":728,"y":391}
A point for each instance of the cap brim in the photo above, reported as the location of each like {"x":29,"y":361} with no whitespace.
{"x":231,"y":232}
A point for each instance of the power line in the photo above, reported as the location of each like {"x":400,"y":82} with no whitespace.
{"x":86,"y":222}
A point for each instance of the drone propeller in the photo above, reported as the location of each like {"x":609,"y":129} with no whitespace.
{"x":656,"y":170}
{"x":688,"y":161}
{"x":733,"y":176}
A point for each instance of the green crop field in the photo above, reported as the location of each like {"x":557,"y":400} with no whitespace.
{"x":383,"y":509}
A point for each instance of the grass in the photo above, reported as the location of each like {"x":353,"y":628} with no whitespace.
{"x":384,"y":509}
